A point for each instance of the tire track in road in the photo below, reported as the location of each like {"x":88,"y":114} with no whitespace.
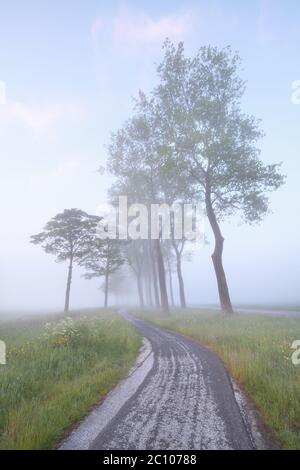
{"x":185,"y":402}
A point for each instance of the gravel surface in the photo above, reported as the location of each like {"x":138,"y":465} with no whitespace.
{"x":186,"y":401}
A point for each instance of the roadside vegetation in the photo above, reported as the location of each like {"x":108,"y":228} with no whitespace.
{"x":56,"y":370}
{"x":256,"y":350}
{"x":287,"y":307}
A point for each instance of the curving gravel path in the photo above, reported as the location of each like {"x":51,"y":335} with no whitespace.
{"x":186,"y":401}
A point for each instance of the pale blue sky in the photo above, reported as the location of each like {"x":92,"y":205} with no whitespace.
{"x":71,"y":69}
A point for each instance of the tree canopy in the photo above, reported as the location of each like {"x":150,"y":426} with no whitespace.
{"x":67,"y":236}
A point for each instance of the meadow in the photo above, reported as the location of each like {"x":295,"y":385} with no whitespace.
{"x":256,"y":350}
{"x":57,"y":368}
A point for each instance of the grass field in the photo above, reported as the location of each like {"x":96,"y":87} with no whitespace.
{"x":257,"y":351}
{"x":55,"y":373}
{"x":293,"y":307}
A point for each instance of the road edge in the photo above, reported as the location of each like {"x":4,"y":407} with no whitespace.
{"x":261,"y":437}
{"x":86,"y":431}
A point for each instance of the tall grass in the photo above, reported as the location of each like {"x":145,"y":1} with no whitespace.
{"x":257,"y":351}
{"x":54,"y":375}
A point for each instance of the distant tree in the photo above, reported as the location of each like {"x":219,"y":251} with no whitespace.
{"x":66,"y":236}
{"x":210,"y":143}
{"x":135,"y":159}
{"x":133,"y":252}
{"x":103,"y":258}
{"x":178,"y":246}
{"x":168,"y":255}
{"x":121,"y":285}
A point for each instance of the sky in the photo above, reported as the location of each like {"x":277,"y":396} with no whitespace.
{"x":71,"y":70}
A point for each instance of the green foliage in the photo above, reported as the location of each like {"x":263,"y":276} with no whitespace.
{"x":206,"y":136}
{"x":67,"y":234}
{"x":104,"y":257}
{"x":55,"y":374}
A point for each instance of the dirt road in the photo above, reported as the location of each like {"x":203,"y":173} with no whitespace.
{"x":180,"y":397}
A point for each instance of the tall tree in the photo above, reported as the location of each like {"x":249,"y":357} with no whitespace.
{"x":121,"y":285}
{"x":168,"y":256}
{"x":103,"y":258}
{"x":153,"y":272}
{"x":210,"y":142}
{"x":66,"y":237}
{"x":135,"y":160}
{"x":133,"y":252}
{"x":178,"y":246}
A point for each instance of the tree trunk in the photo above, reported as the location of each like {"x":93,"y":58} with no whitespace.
{"x":148,"y":286}
{"x":150,"y":290}
{"x":147,"y":274}
{"x":140,"y":290}
{"x":154,"y":276}
{"x":224,"y":296}
{"x":181,"y":285}
{"x":170,"y":282}
{"x":106,"y":289}
{"x":69,"y":281}
{"x":179,"y":275}
{"x":162,"y":279}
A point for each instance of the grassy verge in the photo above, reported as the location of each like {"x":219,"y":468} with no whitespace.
{"x":257,"y":351}
{"x":276,"y":307}
{"x":54,"y":374}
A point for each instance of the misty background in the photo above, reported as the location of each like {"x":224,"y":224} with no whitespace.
{"x":71,"y":70}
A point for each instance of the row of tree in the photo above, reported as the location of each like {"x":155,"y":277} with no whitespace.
{"x":188,"y":141}
{"x":71,"y":236}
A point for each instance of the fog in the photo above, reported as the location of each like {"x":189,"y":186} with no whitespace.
{"x":71,"y":72}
